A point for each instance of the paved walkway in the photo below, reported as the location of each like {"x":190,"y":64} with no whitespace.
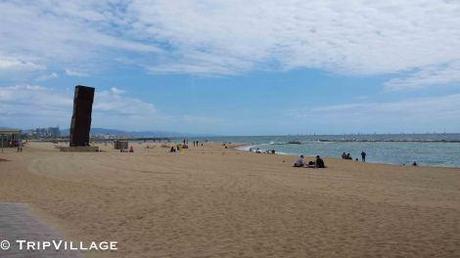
{"x":17,"y":222}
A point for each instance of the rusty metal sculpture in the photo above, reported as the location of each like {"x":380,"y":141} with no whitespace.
{"x":81,"y":118}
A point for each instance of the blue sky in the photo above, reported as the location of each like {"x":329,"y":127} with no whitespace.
{"x":234,"y":67}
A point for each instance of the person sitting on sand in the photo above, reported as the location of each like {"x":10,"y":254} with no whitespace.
{"x":414,"y":164}
{"x":172,"y":149}
{"x":300,"y":162}
{"x":310,"y":164}
{"x":344,"y":155}
{"x":319,"y":162}
{"x":349,"y":156}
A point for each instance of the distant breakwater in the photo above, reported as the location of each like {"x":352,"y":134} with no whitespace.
{"x":391,"y":140}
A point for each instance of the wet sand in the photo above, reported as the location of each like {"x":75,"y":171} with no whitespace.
{"x":216,"y":202}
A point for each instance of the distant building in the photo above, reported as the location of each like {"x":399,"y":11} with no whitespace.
{"x":9,"y":137}
{"x":50,"y":132}
{"x":54,"y":132}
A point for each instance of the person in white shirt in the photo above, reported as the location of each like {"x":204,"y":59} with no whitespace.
{"x":300,"y":162}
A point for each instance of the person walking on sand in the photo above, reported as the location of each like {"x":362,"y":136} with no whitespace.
{"x":363,"y":156}
{"x":19,"y":146}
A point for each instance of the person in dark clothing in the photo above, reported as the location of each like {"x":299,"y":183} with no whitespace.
{"x":319,"y":162}
{"x":363,"y":156}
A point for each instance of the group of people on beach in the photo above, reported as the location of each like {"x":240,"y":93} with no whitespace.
{"x":258,"y":150}
{"x":363,"y":158}
{"x":197,"y":143}
{"x":130,"y":149}
{"x":318,"y":163}
{"x":185,"y":145}
{"x":348,"y":156}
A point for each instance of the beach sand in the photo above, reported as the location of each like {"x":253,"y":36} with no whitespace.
{"x":216,"y":202}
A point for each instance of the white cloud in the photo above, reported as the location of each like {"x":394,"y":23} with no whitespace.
{"x":29,"y":99}
{"x":114,"y":102}
{"x":15,"y":63}
{"x":416,"y":114}
{"x":33,"y":105}
{"x":77,"y":73}
{"x":46,"y":77}
{"x":230,"y":37}
{"x":28,"y":106}
{"x":427,"y":76}
{"x":61,"y":33}
{"x":358,"y":37}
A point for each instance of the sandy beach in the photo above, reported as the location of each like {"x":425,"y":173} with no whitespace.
{"x":215,"y":202}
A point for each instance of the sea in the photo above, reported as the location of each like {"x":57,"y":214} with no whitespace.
{"x":437,"y":150}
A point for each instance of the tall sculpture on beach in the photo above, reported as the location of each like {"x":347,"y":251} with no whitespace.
{"x":81,"y":117}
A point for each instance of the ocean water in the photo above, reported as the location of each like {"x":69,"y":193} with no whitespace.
{"x":440,"y":150}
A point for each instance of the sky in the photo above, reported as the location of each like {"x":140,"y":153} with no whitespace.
{"x":234,"y":67}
